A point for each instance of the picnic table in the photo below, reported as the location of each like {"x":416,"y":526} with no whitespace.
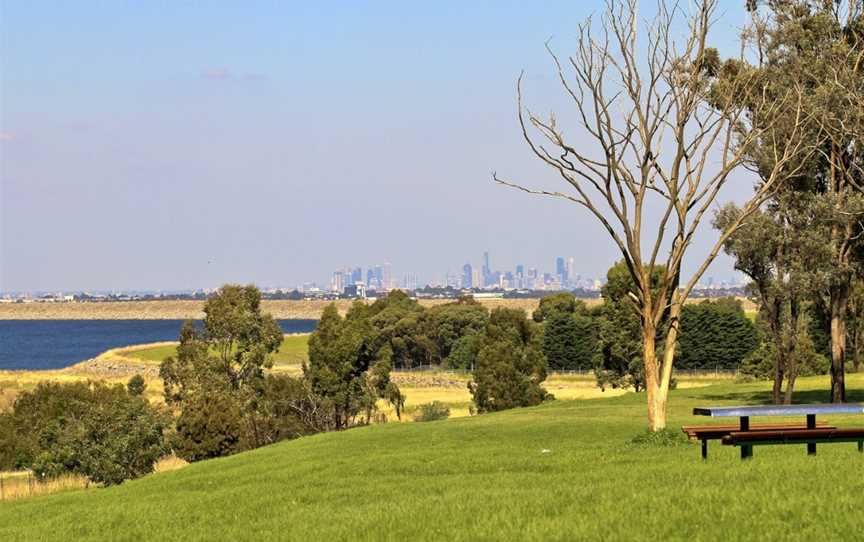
{"x":746,"y":436}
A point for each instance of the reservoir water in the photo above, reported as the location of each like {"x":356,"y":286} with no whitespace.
{"x":53,"y":344}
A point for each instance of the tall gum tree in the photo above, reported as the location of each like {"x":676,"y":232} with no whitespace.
{"x":667,"y":132}
{"x":818,"y":45}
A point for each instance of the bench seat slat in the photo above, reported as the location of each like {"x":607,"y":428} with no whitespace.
{"x":713,"y":432}
{"x":802,"y":436}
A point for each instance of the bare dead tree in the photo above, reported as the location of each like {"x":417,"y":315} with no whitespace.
{"x":664,"y":139}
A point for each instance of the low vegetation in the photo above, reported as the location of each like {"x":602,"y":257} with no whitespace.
{"x":529,"y":474}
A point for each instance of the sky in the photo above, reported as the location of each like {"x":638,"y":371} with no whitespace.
{"x":185,"y":144}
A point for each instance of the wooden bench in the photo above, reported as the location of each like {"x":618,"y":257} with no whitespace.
{"x":810,"y":437}
{"x":718,"y":432}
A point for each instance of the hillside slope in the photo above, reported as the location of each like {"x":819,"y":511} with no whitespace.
{"x":562,"y":471}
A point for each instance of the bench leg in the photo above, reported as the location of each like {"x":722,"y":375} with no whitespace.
{"x":861,"y":446}
{"x":746,"y":451}
{"x":705,"y":450}
{"x":811,"y":424}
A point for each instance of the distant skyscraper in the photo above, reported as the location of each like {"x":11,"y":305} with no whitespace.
{"x":387,"y":276}
{"x":560,"y":269}
{"x":410,"y":281}
{"x":337,"y":283}
{"x":356,"y":275}
{"x":467,"y":276}
{"x":571,"y":270}
{"x":476,"y":282}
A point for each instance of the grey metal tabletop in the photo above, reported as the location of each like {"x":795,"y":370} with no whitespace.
{"x":779,"y":410}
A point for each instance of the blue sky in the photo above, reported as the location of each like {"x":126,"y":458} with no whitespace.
{"x":168,"y":145}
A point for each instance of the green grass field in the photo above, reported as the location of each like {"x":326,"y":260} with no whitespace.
{"x":292,"y":352}
{"x":565,"y":470}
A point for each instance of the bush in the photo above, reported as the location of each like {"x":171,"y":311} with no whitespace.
{"x":433,"y":411}
{"x":210,"y":425}
{"x":136,"y":385}
{"x":102,"y":432}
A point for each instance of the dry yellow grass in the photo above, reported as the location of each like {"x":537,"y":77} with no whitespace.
{"x":22,"y":484}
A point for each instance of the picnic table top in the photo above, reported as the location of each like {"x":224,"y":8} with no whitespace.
{"x":779,"y":410}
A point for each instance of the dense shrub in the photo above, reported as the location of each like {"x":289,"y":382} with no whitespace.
{"x":210,"y":425}
{"x":433,"y":411}
{"x":102,"y":432}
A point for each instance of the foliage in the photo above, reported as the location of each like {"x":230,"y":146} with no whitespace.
{"x":430,"y":412}
{"x":136,"y":385}
{"x":102,"y":432}
{"x":559,"y":303}
{"x":759,"y":364}
{"x":715,"y":335}
{"x":813,"y":50}
{"x":463,"y":355}
{"x":217,"y":379}
{"x":403,"y":325}
{"x":233,"y":350}
{"x":618,"y":362}
{"x":349,"y":368}
{"x":570,"y":341}
{"x":510,"y":364}
{"x":452,"y":321}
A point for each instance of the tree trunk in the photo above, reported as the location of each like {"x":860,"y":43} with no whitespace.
{"x":839,"y":301}
{"x":656,"y":402}
{"x":780,"y":351}
{"x":791,"y":354}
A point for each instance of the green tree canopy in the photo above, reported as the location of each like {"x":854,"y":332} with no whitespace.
{"x":510,"y":364}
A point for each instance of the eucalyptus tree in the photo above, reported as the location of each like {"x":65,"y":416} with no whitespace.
{"x":666,"y":133}
{"x":780,"y":255}
{"x":818,"y":47}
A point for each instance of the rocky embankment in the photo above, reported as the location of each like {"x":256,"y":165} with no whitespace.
{"x":181,"y":310}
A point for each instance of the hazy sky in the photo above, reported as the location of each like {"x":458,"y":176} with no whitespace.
{"x":154,"y":145}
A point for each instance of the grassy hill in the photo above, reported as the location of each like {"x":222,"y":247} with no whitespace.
{"x":562,"y":471}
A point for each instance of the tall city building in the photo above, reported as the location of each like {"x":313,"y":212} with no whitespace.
{"x":410,"y":281}
{"x":387,"y":276}
{"x":476,"y":281}
{"x":337,"y":283}
{"x":571,"y":270}
{"x":356,"y":275}
{"x":560,"y":269}
{"x":467,"y":276}
{"x":486,"y":271}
